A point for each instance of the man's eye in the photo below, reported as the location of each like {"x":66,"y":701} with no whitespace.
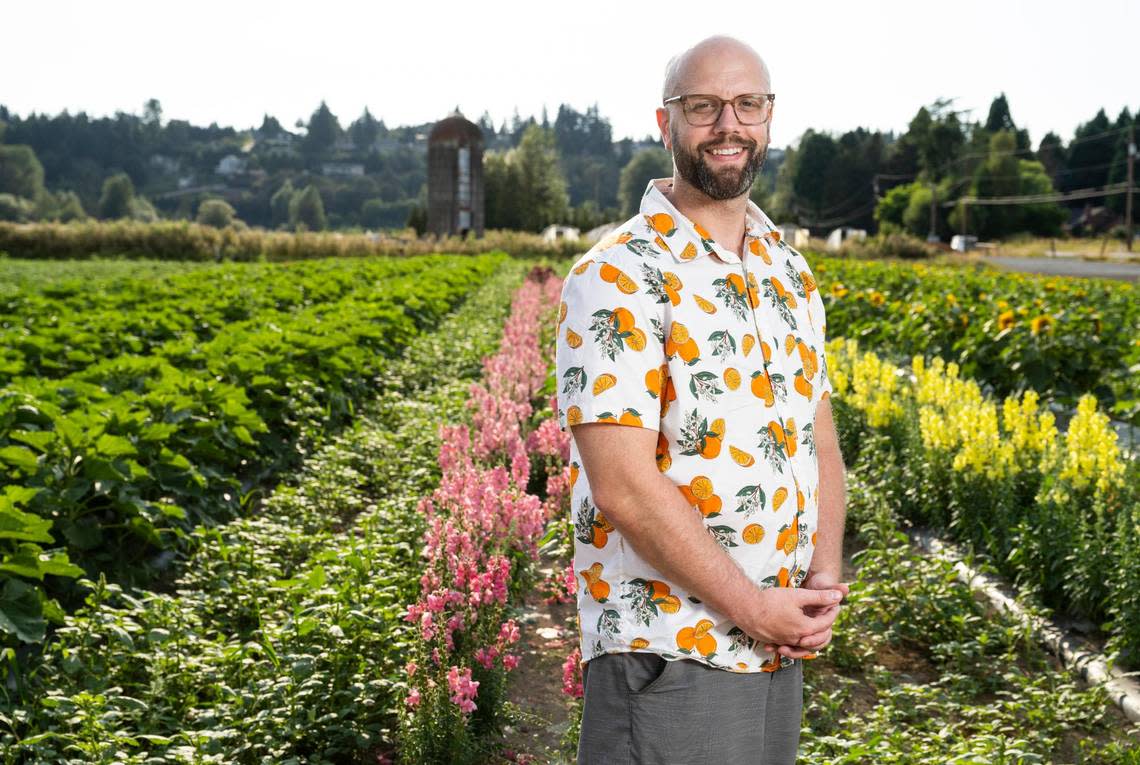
{"x":749,"y":105}
{"x":701,"y":106}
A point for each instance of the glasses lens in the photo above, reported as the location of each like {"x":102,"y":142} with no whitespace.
{"x":702,"y":111}
{"x":751,"y":110}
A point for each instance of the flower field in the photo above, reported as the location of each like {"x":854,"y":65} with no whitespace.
{"x":1060,"y":337}
{"x":344,"y":580}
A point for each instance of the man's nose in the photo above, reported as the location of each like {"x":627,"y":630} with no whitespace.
{"x":726,"y":121}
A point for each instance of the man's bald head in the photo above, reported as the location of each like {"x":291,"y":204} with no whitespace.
{"x":709,"y":57}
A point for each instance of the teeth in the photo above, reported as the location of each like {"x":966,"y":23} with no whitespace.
{"x":726,"y":151}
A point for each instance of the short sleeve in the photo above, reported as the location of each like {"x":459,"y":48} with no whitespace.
{"x":609,"y":351}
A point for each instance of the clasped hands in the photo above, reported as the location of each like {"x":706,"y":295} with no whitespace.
{"x":814,"y":613}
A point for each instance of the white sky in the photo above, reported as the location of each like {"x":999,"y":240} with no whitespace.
{"x":835,"y":65}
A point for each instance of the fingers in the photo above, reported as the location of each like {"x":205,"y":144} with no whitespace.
{"x":809,"y":645}
{"x":816,"y":641}
{"x":828,"y":597}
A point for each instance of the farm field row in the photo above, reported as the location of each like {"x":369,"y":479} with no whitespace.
{"x":282,"y":640}
{"x":106,"y":467}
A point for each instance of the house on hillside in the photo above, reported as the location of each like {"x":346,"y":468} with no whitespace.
{"x":230,"y":165}
{"x":342,"y":169}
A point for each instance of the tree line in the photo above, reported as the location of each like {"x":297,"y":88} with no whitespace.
{"x":538,"y":170}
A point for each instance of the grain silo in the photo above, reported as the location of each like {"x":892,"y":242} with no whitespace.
{"x":455,"y":177}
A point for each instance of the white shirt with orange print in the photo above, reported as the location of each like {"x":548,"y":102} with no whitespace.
{"x":662,"y":328}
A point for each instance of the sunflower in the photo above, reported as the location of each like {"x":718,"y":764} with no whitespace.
{"x":1040,"y":323}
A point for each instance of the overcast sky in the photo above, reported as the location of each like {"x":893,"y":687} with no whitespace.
{"x":835,"y":65}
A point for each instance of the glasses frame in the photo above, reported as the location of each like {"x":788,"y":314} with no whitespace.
{"x":771,"y":98}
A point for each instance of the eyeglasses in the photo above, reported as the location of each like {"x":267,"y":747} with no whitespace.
{"x":702,"y":110}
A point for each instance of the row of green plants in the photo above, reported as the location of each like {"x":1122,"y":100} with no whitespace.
{"x":62,"y":326}
{"x":1057,"y":514}
{"x":183,"y":240}
{"x":18,"y":275}
{"x":919,"y":670}
{"x":282,"y":640}
{"x":1061,"y":337}
{"x":106,"y":467}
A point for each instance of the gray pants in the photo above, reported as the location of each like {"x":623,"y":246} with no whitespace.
{"x":640,"y":709}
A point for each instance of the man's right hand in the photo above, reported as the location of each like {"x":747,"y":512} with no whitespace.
{"x":787,"y":615}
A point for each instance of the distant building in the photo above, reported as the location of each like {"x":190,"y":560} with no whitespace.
{"x":840,"y":235}
{"x":554,"y":232}
{"x":342,"y":169}
{"x":795,"y":236}
{"x":230,"y":165}
{"x":455,"y":177}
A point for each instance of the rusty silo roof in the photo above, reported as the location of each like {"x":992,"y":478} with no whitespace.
{"x":456,"y":128}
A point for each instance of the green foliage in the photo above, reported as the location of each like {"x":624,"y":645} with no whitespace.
{"x":215,"y":212}
{"x":16,"y":209}
{"x":118,"y":194}
{"x":322,"y":131}
{"x":307,"y":210}
{"x":280,"y":203}
{"x":525,"y":188}
{"x":281,"y":639}
{"x":1003,"y":174}
{"x":919,"y":671}
{"x":1086,"y":345}
{"x":644,"y":166}
{"x":891,"y":210}
{"x":64,"y":206}
{"x":130,"y":451}
{"x":21,"y":174}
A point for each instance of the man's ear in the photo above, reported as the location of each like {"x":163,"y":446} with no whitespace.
{"x":663,"y":125}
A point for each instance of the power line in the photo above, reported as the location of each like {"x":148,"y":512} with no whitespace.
{"x":1025,"y":199}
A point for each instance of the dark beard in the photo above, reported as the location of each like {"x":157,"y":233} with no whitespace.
{"x":729,"y":183}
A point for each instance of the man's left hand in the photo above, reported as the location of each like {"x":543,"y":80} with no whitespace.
{"x":815,"y":580}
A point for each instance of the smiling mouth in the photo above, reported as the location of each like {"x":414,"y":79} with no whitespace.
{"x":727,"y":152}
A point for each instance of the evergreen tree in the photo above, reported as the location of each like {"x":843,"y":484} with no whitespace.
{"x":365,"y":131}
{"x":323,"y":131}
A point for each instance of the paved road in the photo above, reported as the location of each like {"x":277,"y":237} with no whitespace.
{"x":1067,"y":267}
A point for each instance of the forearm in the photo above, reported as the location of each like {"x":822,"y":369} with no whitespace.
{"x":656,"y":520}
{"x":828,"y":555}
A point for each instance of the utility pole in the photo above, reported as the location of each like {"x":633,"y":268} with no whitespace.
{"x":1128,"y":198}
{"x":933,"y":235}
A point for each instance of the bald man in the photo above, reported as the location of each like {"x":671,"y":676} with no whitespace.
{"x":707,"y":498}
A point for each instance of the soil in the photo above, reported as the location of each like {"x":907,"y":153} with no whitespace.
{"x":542,"y":714}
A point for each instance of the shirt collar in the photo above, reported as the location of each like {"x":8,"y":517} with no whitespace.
{"x":686,"y":239}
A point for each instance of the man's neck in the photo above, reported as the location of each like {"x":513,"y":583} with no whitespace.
{"x":723,"y":219}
